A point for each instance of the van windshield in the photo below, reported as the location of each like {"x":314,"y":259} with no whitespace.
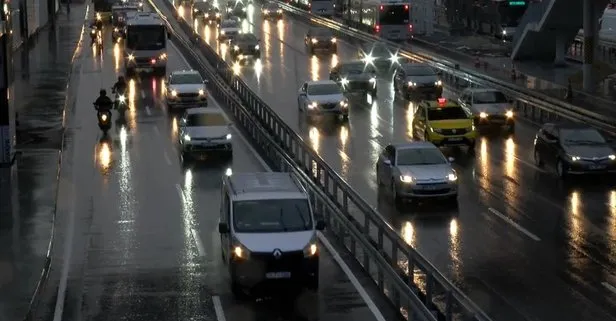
{"x":272,"y":216}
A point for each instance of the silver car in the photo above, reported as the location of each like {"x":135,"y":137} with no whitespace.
{"x":417,"y":170}
{"x":490,"y":108}
{"x":186,"y":89}
{"x":323,"y":97}
{"x":204,"y":131}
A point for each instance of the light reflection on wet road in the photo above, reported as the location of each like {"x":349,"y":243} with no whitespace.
{"x":140,"y":217}
{"x":522,"y":244}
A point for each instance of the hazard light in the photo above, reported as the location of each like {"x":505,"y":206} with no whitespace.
{"x":442,"y":102}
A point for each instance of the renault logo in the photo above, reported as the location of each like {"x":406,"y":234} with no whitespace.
{"x":277,"y":253}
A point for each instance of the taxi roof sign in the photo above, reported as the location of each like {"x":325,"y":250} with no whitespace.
{"x":442,"y":101}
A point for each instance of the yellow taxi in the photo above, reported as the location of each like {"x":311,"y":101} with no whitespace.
{"x":444,"y":123}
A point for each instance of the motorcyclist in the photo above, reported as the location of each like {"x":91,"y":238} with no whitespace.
{"x":103,"y":103}
{"x":120,"y":86}
{"x":95,"y":28}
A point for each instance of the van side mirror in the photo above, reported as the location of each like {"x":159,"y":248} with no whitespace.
{"x":320,"y":225}
{"x":387,"y":162}
{"x":223,"y":228}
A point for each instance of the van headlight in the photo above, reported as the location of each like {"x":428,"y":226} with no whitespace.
{"x":509,"y":114}
{"x":229,"y":136}
{"x":412,"y":84}
{"x":313,"y":105}
{"x":240,"y":252}
{"x":483,"y":115}
{"x":452,"y":177}
{"x":406,"y":179}
{"x":311,"y":250}
{"x":344,"y":104}
{"x":201,"y":92}
{"x":344,"y":81}
{"x":438,"y":83}
{"x":186,"y":138}
{"x":174,"y":93}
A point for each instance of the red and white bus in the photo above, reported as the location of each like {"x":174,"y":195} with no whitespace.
{"x":389,"y":19}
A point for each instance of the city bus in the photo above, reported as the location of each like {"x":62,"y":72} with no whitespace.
{"x":389,"y":19}
{"x":145,"y":48}
{"x":323,"y":8}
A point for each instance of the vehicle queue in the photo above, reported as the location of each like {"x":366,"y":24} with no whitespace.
{"x":410,"y":170}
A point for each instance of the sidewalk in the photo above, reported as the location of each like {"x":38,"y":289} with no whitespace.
{"x":495,"y":61}
{"x":42,"y":71}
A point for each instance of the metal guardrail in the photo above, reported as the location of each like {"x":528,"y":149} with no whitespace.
{"x":412,"y":284}
{"x":535,"y":106}
{"x":606,"y":50}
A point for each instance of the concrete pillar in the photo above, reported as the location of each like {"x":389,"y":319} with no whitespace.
{"x":590,"y":34}
{"x":7,"y":115}
{"x":561,"y":48}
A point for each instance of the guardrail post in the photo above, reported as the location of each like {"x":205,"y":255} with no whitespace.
{"x":448,"y":306}
{"x":394,"y":253}
{"x":429,"y":290}
{"x":411,"y":269}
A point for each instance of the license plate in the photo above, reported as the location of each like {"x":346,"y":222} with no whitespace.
{"x":278,"y":275}
{"x":596,"y":166}
{"x":455,"y":139}
{"x":432,"y":187}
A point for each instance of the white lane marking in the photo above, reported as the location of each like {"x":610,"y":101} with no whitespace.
{"x":220,"y":313}
{"x":610,"y":287}
{"x":360,"y":289}
{"x":143,"y":94}
{"x":167,"y":159}
{"x":514,"y":224}
{"x":156,"y":131}
{"x":148,"y":111}
{"x":200,"y":247}
{"x":179,"y":189}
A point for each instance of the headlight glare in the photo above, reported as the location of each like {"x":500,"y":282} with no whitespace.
{"x":483,"y":115}
{"x":229,"y":136}
{"x":452,"y":177}
{"x":187,"y":138}
{"x":612,"y":157}
{"x":509,"y":114}
{"x":406,"y":179}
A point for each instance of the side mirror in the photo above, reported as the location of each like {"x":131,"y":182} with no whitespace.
{"x":451,"y":159}
{"x":302,"y":94}
{"x":223,"y":228}
{"x":169,"y":35}
{"x":320,"y":225}
{"x":387,"y":162}
{"x":205,"y":81}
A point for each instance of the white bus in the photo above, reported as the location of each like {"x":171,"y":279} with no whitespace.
{"x":145,"y":48}
{"x":389,"y":19}
{"x":323,"y":8}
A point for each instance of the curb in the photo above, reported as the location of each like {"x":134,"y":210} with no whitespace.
{"x":47,"y":266}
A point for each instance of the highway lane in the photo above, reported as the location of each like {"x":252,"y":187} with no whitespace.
{"x":146,"y":243}
{"x":521,"y":244}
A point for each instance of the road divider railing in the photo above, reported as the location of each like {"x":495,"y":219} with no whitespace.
{"x":411,"y":283}
{"x":535,"y":106}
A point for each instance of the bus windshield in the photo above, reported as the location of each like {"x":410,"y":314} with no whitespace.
{"x":394,"y":15}
{"x":146,"y":37}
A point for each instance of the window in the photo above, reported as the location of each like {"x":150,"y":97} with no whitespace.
{"x":353,"y":68}
{"x":229,"y":24}
{"x":146,"y":37}
{"x":182,"y":79}
{"x":489,"y":97}
{"x":321,"y":32}
{"x":581,"y":136}
{"x":419,"y":71}
{"x":420,"y":156}
{"x":324,"y":89}
{"x":247,"y":38}
{"x":271,"y":216}
{"x":209,"y":119}
{"x":394,"y":15}
{"x":446,"y":113}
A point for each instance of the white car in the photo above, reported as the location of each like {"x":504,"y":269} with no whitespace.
{"x":229,"y":29}
{"x":491,"y":109}
{"x":323,"y":97}
{"x":204,"y":131}
{"x":186,"y":89}
{"x":417,"y":170}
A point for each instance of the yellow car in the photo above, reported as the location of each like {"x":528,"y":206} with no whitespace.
{"x":444,"y":123}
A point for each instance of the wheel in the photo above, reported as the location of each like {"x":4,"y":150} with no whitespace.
{"x":394,"y":194}
{"x":537,"y":158}
{"x":561,"y":170}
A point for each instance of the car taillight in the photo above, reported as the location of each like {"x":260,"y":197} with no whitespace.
{"x":381,"y":8}
{"x":411,"y":28}
{"x":377,"y":28}
{"x":406,"y":7}
{"x":153,"y":61}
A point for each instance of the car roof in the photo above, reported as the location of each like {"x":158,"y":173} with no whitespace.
{"x":570,"y":125}
{"x":185,"y":72}
{"x":321,"y":82}
{"x":271,"y":5}
{"x":415,"y":145}
{"x":435,"y":104}
{"x":482,"y":90}
{"x":203,"y":110}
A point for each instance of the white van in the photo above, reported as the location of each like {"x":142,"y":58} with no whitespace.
{"x":324,"y":8}
{"x":268,"y":233}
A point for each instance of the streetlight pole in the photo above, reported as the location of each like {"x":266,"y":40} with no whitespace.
{"x":7,"y":119}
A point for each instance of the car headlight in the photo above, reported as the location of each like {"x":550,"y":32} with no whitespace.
{"x":438,"y":83}
{"x":504,"y":32}
{"x":174,"y":93}
{"x":201,"y":92}
{"x":373,"y":79}
{"x":509,"y":114}
{"x":483,"y":115}
{"x":436,"y":130}
{"x":93,"y":31}
{"x":222,"y":32}
{"x":187,"y":138}
{"x":313,"y":105}
{"x":236,"y":47}
{"x":452,"y":177}
{"x":162,"y":56}
{"x":344,"y":81}
{"x":131,"y":57}
{"x":412,"y":84}
{"x":333,"y":40}
{"x":104,"y":117}
{"x":244,"y":9}
{"x":121,"y":98}
{"x":279,"y":10}
{"x":265,"y":11}
{"x":257,"y":47}
{"x":116,"y":29}
{"x":314,"y":40}
{"x":406,"y":179}
{"x":574,"y":158}
{"x":311,"y":250}
{"x":229,"y":136}
{"x":344,"y":104}
{"x":98,"y":16}
{"x":612,"y":157}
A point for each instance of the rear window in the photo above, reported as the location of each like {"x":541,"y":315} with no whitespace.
{"x":446,"y":113}
{"x":229,"y":24}
{"x":272,"y":216}
{"x":210,"y":119}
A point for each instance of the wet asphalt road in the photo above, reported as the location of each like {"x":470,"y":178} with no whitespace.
{"x":147,"y":246}
{"x":522,"y":245}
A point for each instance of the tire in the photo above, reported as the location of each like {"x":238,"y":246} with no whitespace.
{"x":561,"y":170}
{"x":237,"y":290}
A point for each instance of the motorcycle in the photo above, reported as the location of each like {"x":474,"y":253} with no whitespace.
{"x":104,"y":121}
{"x":120,"y":103}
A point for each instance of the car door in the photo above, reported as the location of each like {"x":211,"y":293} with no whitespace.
{"x":302,"y":96}
{"x":548,"y":142}
{"x":225,"y":217}
{"x":419,"y":122}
